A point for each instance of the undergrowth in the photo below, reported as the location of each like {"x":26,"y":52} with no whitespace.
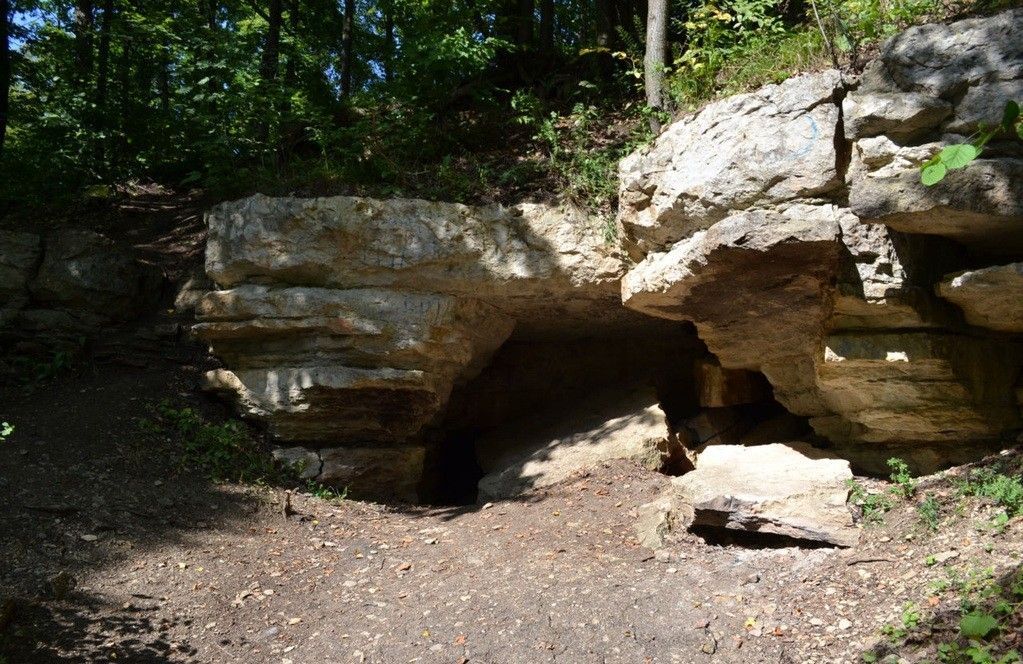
{"x":223,"y":451}
{"x":984,"y":614}
{"x":227,"y":451}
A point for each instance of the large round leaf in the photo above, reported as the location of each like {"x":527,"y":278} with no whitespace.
{"x":957,"y":156}
{"x":933,"y":173}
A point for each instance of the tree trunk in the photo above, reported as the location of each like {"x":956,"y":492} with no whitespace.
{"x":100,"y":120}
{"x":272,"y":48}
{"x":126,"y":101}
{"x":83,"y":42}
{"x":103,"y":71}
{"x":654,"y":59}
{"x":546,"y":26}
{"x":527,"y":9}
{"x":5,"y":68}
{"x":347,"y":52}
{"x":604,"y":23}
{"x":164,"y":82}
{"x":389,"y":45}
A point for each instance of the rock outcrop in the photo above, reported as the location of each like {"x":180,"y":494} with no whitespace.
{"x":748,"y":151}
{"x":990,"y":297}
{"x":70,"y":282}
{"x":829,"y":285}
{"x":788,"y":226}
{"x":934,"y":85}
{"x":345,"y":323}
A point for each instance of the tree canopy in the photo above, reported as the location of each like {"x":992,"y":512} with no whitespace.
{"x":400,"y":94}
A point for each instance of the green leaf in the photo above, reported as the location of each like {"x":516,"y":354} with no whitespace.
{"x":933,"y":173}
{"x":977,"y":625}
{"x":1010,"y":114}
{"x":958,"y":156}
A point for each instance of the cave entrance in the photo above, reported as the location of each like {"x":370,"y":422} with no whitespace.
{"x":542,"y":405}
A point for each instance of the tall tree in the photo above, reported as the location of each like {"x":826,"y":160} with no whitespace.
{"x":5,"y":68}
{"x":654,"y":60}
{"x":103,"y":56}
{"x":347,"y":48}
{"x":270,"y":62}
{"x":546,"y":26}
{"x":83,"y":42}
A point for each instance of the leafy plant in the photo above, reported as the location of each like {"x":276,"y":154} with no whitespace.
{"x":1006,"y":490}
{"x":223,"y":451}
{"x":873,"y":505}
{"x":929,"y":511}
{"x":977,"y":625}
{"x":5,"y":431}
{"x":959,"y":155}
{"x":905,"y":485}
{"x":324,"y":492}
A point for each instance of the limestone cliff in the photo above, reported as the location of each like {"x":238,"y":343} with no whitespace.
{"x":788,"y":225}
{"x":791,"y":226}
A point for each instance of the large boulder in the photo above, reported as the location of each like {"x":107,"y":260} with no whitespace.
{"x":549,"y":265}
{"x":752,"y":150}
{"x":88,"y":273}
{"x":792,"y":490}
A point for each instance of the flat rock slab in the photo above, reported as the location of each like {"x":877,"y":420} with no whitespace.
{"x":632,"y":427}
{"x":788,"y":489}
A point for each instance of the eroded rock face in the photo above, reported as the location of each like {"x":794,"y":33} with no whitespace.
{"x":831,"y":293}
{"x":990,"y":297}
{"x":753,"y":150}
{"x":345,"y":323}
{"x":931,"y":86}
{"x":71,"y":282}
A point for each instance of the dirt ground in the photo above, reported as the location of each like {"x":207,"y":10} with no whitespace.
{"x":112,"y":552}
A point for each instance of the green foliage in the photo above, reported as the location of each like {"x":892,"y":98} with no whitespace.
{"x":1005,"y":489}
{"x":930,"y":512}
{"x":977,"y":625}
{"x":859,"y":23}
{"x":731,"y":44}
{"x":905,"y":485}
{"x":959,"y":155}
{"x":988,"y":609}
{"x":223,"y":451}
{"x":6,"y":430}
{"x":873,"y":505}
{"x":586,"y":169}
{"x":324,"y":492}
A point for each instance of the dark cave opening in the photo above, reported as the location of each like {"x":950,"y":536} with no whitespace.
{"x":534,"y":387}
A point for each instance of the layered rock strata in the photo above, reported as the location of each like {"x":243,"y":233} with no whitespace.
{"x":820,"y":262}
{"x":345,"y":323}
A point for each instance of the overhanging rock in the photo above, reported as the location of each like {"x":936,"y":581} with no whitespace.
{"x":345,"y":323}
{"x":830,"y":290}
